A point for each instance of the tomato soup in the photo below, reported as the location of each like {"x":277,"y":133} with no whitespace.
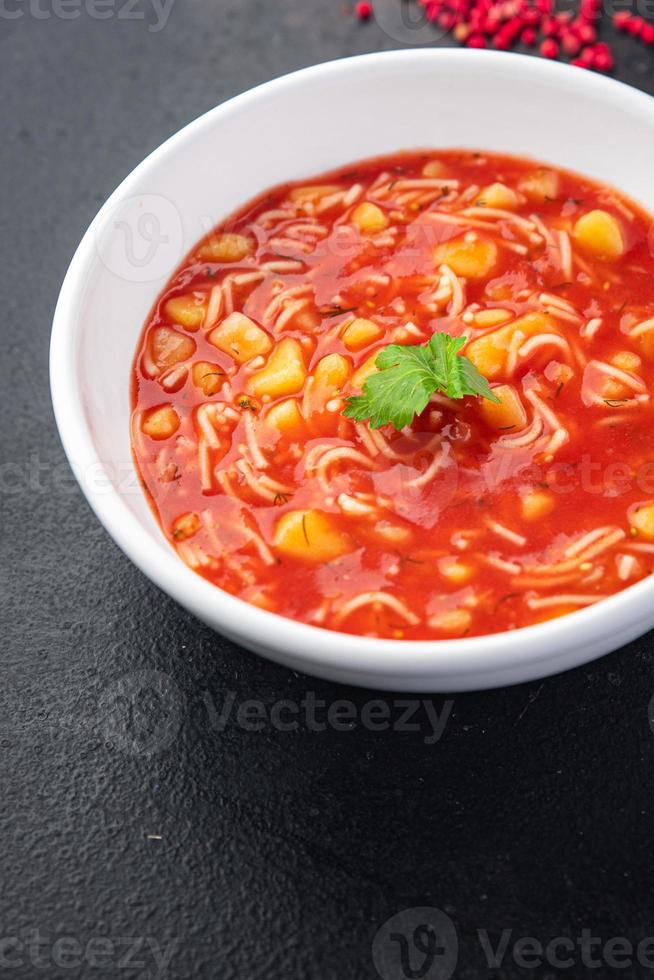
{"x":476,"y":517}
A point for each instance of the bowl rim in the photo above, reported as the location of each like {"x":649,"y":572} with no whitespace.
{"x":284,"y":639}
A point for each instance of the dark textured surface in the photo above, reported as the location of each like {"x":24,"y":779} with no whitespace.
{"x":127,"y":807}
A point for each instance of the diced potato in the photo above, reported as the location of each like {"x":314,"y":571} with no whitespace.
{"x":641,"y":518}
{"x":369,"y":218}
{"x":488,"y":353}
{"x":240,"y":337}
{"x":472,"y":260}
{"x":537,"y":504}
{"x":169,"y":347}
{"x":456,"y":572}
{"x":543,"y":185}
{"x":187,"y":310}
{"x":613,"y":388}
{"x":498,"y":195}
{"x":208,"y":377}
{"x":364,"y":371}
{"x":185,"y":526}
{"x":313,"y":192}
{"x":534,"y":323}
{"x":285,"y":416}
{"x":600,"y":233}
{"x":626,"y":360}
{"x":508,"y":414}
{"x":434,"y":168}
{"x":456,"y":622}
{"x":284,"y":374}
{"x":360,"y":332}
{"x":161,"y":423}
{"x":492,"y":317}
{"x":227,"y":247}
{"x":332,"y":371}
{"x":310,"y":535}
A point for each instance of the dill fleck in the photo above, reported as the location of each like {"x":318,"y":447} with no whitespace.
{"x":506,"y":598}
{"x":336,"y":310}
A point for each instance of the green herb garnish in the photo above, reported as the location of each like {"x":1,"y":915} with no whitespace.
{"x":409,"y":375}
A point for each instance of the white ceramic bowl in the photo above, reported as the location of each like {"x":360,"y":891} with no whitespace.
{"x":296,"y":127}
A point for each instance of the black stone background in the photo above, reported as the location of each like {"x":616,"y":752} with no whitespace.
{"x":278,"y":854}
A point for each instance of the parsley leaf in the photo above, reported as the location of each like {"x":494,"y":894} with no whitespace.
{"x":409,"y":375}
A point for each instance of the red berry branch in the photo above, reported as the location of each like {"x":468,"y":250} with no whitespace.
{"x":502,"y":24}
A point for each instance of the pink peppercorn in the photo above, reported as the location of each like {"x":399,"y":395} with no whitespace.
{"x":529,"y":37}
{"x":621,"y":19}
{"x":476,"y":41}
{"x":589,"y":11}
{"x":571,"y":44}
{"x":603,"y":61}
{"x":647,"y":33}
{"x":586,"y":33}
{"x":363,"y":10}
{"x":587,"y":57}
{"x":635,"y":26}
{"x":501,"y":41}
{"x":549,"y":48}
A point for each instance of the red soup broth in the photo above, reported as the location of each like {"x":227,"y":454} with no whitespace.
{"x":475,"y":518}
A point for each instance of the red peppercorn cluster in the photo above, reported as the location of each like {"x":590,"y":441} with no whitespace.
{"x":502,"y":24}
{"x":635,"y":25}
